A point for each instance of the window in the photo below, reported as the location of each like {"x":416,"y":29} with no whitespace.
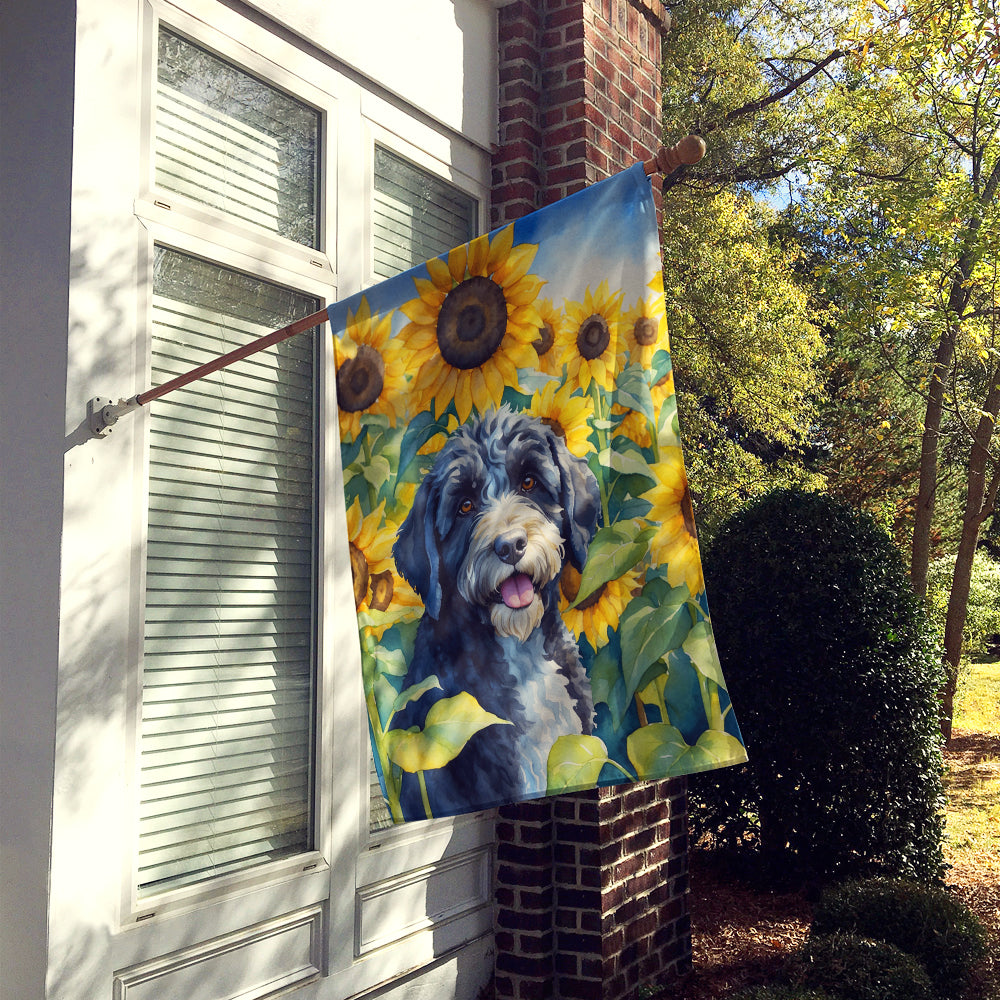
{"x":415,"y":216}
{"x":230,"y":141}
{"x":229,"y":646}
{"x":228,"y":686}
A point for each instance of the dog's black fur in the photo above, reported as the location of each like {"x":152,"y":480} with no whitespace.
{"x":490,"y":460}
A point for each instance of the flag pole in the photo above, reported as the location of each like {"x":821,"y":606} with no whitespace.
{"x":103,"y":413}
{"x":687,"y":152}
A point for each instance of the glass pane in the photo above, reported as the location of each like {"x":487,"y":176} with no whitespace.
{"x":231,"y":141}
{"x":417,"y":215}
{"x":228,"y":678}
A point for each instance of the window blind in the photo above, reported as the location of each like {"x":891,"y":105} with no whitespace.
{"x":228,"y":654}
{"x":228,"y":140}
{"x":416,"y":216}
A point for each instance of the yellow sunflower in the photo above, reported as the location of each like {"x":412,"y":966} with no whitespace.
{"x":645,"y":327}
{"x":589,"y":339}
{"x":675,"y":543}
{"x":473,"y":324}
{"x":371,"y":377}
{"x":633,"y":425}
{"x":568,"y":415}
{"x":599,"y":612}
{"x":370,"y":543}
{"x":549,"y":333}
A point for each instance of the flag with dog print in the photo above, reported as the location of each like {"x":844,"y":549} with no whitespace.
{"x":529,"y":595}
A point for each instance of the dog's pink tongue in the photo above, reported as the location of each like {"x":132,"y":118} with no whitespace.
{"x":517,"y":591}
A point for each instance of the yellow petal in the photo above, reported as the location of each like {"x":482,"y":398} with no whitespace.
{"x":516,"y":264}
{"x":440,"y":274}
{"x":479,"y":255}
{"x":456,"y":264}
{"x":500,"y":247}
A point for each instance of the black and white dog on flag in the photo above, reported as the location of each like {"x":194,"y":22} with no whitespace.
{"x":504,"y":506}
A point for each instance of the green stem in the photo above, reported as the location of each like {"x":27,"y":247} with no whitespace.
{"x":392,"y":792}
{"x":366,"y":447}
{"x":641,"y":710}
{"x":615,"y":763}
{"x":423,"y":795}
{"x":600,"y":417}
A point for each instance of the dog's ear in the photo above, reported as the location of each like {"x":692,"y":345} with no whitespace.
{"x":416,"y":551}
{"x":581,"y":500}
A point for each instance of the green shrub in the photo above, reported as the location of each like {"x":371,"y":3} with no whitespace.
{"x":834,"y":674}
{"x":925,"y":922}
{"x":782,"y":993}
{"x":982,"y":618}
{"x":856,"y":968}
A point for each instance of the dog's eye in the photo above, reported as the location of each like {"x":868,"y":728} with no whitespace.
{"x":466,"y":506}
{"x":528,"y":483}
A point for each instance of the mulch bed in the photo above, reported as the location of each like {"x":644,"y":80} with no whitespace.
{"x":742,"y":935}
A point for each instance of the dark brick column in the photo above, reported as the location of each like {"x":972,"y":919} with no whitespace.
{"x":591,"y":889}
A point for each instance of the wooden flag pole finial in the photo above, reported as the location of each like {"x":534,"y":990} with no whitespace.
{"x":668,"y":158}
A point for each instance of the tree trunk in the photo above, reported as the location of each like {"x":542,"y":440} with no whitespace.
{"x":979,"y":500}
{"x":920,"y":553}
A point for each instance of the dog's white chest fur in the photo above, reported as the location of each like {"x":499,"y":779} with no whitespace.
{"x":548,"y":706}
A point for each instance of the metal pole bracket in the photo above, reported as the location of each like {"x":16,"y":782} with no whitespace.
{"x":103,"y":413}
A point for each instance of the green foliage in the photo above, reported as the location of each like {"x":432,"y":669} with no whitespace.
{"x":983,"y":612}
{"x":782,"y":992}
{"x":924,"y":921}
{"x":747,"y":354}
{"x":857,"y":968}
{"x":834,"y":673}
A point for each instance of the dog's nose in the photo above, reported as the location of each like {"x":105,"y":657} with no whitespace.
{"x":510,"y":547}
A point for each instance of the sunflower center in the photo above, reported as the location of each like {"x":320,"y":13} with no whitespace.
{"x":593,"y":338}
{"x":645,"y":331}
{"x":359,"y":570}
{"x":382,"y":590}
{"x":360,"y":380}
{"x":546,"y":338}
{"x":556,"y":427}
{"x":472,"y":322}
{"x":592,"y":599}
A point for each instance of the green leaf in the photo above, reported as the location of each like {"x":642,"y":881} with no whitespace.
{"x":700,"y":646}
{"x":575,"y":762}
{"x":615,"y":550}
{"x":632,"y":390}
{"x":607,"y":683}
{"x":414,"y":691}
{"x":655,"y":749}
{"x":385,"y":694}
{"x":659,"y":751}
{"x":450,"y":724}
{"x":377,"y":471}
{"x":649,"y":630}
{"x":626,"y":461}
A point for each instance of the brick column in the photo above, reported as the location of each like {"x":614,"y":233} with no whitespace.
{"x":591,"y":889}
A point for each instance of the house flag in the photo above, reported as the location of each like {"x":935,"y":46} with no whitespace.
{"x":528,"y":587}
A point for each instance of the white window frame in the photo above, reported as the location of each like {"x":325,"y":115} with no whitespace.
{"x":353,"y":875}
{"x":180,"y":224}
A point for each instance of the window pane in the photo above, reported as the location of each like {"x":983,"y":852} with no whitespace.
{"x":228,"y":140}
{"x":228,"y":659}
{"x":417,"y":215}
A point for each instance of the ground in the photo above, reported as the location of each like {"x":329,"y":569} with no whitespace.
{"x":742,"y":935}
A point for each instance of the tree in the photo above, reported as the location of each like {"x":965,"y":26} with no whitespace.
{"x":915,"y":184}
{"x":748,"y":353}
